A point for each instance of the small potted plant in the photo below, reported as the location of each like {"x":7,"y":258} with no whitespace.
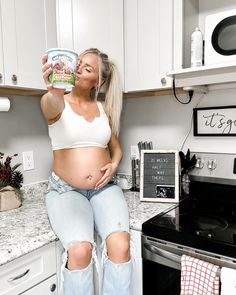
{"x":11,"y":181}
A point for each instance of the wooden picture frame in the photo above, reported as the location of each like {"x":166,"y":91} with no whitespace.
{"x":159,"y":176}
{"x":214,"y":121}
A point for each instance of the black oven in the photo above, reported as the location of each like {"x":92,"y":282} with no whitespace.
{"x":202,"y":225}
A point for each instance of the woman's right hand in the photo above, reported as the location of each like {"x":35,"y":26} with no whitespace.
{"x":47,"y":70}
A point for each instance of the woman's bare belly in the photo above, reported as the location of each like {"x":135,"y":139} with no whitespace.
{"x":81,"y":167}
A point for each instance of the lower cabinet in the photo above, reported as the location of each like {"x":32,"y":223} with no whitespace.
{"x":137,"y":282}
{"x":47,"y":287}
{"x":59,"y":252}
{"x":33,"y":273}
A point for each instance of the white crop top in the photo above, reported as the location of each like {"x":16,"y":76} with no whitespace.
{"x":73,"y":130}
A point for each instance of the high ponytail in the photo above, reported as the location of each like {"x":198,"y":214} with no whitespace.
{"x":113,"y":99}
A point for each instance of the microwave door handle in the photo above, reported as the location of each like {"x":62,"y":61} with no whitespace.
{"x":176,"y":259}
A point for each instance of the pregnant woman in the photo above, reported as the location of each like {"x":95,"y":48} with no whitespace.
{"x":80,"y":197}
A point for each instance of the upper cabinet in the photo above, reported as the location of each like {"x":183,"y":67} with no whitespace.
{"x":84,"y":24}
{"x":153,"y":42}
{"x":28,"y":28}
{"x":143,"y":38}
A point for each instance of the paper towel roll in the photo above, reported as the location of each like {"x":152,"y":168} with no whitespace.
{"x":4,"y":104}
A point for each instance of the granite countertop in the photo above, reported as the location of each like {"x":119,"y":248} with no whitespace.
{"x":27,"y":228}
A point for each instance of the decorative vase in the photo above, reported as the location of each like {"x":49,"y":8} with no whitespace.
{"x":185,"y":182}
{"x":9,"y":199}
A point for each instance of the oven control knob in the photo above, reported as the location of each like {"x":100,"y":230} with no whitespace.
{"x":199,"y":163}
{"x":211,"y":165}
{"x":209,"y":235}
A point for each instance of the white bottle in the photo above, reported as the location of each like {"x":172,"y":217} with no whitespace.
{"x":196,"y":48}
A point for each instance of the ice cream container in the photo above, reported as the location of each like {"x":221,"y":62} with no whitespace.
{"x":64,"y":64}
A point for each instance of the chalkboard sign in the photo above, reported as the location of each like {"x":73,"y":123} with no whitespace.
{"x":159,"y":176}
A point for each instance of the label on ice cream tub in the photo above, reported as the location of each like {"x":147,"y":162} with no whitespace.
{"x":64,"y":64}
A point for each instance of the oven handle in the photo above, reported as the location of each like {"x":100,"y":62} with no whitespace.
{"x":163,"y":253}
{"x":175,"y":259}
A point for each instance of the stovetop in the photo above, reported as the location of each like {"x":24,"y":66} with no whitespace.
{"x":205,"y":219}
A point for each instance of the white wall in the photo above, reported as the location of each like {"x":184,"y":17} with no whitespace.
{"x":210,"y":7}
{"x":166,"y":122}
{"x":22,"y":129}
{"x":159,"y":119}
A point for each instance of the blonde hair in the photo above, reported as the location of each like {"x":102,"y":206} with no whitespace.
{"x":109,"y":79}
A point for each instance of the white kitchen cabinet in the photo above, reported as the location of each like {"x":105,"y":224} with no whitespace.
{"x":28,"y":28}
{"x":48,"y":287}
{"x":59,"y":252}
{"x":84,"y":24}
{"x":143,"y":38}
{"x":137,"y":284}
{"x":153,"y":42}
{"x":29,"y":271}
{"x":1,"y":56}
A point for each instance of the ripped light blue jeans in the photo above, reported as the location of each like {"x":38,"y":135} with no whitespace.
{"x":74,"y":214}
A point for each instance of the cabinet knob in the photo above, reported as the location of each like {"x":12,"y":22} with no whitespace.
{"x":14,"y":78}
{"x":163,"y":81}
{"x":1,"y":77}
{"x":53,"y":287}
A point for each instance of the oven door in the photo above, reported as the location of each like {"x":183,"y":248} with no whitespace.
{"x":162,"y":264}
{"x":161,"y":269}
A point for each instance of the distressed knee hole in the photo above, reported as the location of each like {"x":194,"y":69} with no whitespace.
{"x":79,"y":255}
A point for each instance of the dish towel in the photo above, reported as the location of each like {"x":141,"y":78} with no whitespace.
{"x":228,"y":281}
{"x":198,"y":277}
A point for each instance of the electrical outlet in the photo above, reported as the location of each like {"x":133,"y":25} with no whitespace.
{"x":28,"y":160}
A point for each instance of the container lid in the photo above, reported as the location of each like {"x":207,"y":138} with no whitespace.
{"x":61,"y":49}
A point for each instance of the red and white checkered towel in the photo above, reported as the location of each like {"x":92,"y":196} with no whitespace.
{"x":198,"y":277}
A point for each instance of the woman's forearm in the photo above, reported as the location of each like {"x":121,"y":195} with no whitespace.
{"x":52,"y":105}
{"x":115,"y":151}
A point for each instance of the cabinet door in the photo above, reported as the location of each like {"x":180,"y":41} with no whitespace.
{"x":94,"y":24}
{"x":1,"y":57}
{"x":137,"y":284}
{"x":48,"y":287}
{"x":150,"y":44}
{"x":28,"y":29}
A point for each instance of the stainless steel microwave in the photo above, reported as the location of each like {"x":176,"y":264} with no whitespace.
{"x":220,"y":38}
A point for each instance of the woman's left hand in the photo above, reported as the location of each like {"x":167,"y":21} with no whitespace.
{"x":109,"y":171}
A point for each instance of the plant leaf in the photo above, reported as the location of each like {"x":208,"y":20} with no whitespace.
{"x":15,"y":167}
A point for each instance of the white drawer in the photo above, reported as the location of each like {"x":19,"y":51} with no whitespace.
{"x":28,"y":270}
{"x":48,"y":287}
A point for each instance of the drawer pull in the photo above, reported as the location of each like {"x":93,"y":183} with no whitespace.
{"x":19,"y":276}
{"x":53,"y":287}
